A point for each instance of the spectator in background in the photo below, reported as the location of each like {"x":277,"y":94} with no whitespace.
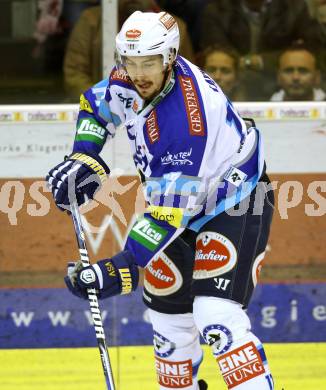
{"x":53,"y":24}
{"x":83,"y":58}
{"x":222,"y":64}
{"x":190,"y":11}
{"x":258,"y":30}
{"x":318,"y":13}
{"x":298,"y":76}
{"x":317,"y":9}
{"x":50,"y":13}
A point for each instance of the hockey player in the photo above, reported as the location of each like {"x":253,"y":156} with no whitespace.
{"x":204,"y":233}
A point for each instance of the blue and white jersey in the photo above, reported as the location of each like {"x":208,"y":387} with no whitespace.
{"x":193,"y":151}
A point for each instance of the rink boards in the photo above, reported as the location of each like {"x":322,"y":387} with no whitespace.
{"x":48,"y":318}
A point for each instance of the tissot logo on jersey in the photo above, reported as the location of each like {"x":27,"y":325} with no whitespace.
{"x":174,"y":375}
{"x":195,"y":119}
{"x":241,"y":365}
{"x":152,"y":128}
{"x":215,"y":255}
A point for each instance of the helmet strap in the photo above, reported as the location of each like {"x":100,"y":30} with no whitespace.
{"x":167,"y":73}
{"x":164,"y":91}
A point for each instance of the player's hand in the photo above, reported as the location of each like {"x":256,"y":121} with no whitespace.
{"x":77,"y":179}
{"x":118,"y":275}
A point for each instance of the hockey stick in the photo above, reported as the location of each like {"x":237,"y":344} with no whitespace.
{"x":93,"y":301}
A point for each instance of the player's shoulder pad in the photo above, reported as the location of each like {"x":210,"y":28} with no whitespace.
{"x":120,"y":77}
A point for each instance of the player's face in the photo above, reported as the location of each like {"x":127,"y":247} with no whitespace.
{"x":220,"y":66}
{"x":298,"y":75}
{"x":147,"y":74}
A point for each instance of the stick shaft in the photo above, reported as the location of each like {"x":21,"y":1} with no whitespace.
{"x":93,"y":301}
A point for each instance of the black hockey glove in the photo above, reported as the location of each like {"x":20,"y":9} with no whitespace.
{"x":77,"y":178}
{"x":118,"y":275}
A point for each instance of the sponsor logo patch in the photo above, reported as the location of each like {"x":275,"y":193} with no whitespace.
{"x":84,"y":104}
{"x":167,"y":20}
{"x":235,"y":176}
{"x":126,"y":281}
{"x":148,"y":234}
{"x":171,"y":215}
{"x":180,"y":158}
{"x":152,"y":128}
{"x":215,"y":255}
{"x":221,"y":283}
{"x":195,"y":119}
{"x":90,"y":127}
{"x":241,"y":365}
{"x":162,"y":277}
{"x":174,"y":375}
{"x":163,"y":347}
{"x":133,"y":34}
{"x":218,"y":337}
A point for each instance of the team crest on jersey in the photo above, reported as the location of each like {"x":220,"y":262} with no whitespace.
{"x":215,"y":255}
{"x":218,"y":337}
{"x":194,"y":114}
{"x":153,"y":131}
{"x":162,"y":277}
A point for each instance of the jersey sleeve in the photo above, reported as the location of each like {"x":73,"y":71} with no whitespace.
{"x":100,"y":114}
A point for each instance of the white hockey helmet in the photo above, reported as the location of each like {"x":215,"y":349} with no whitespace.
{"x":149,"y":33}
